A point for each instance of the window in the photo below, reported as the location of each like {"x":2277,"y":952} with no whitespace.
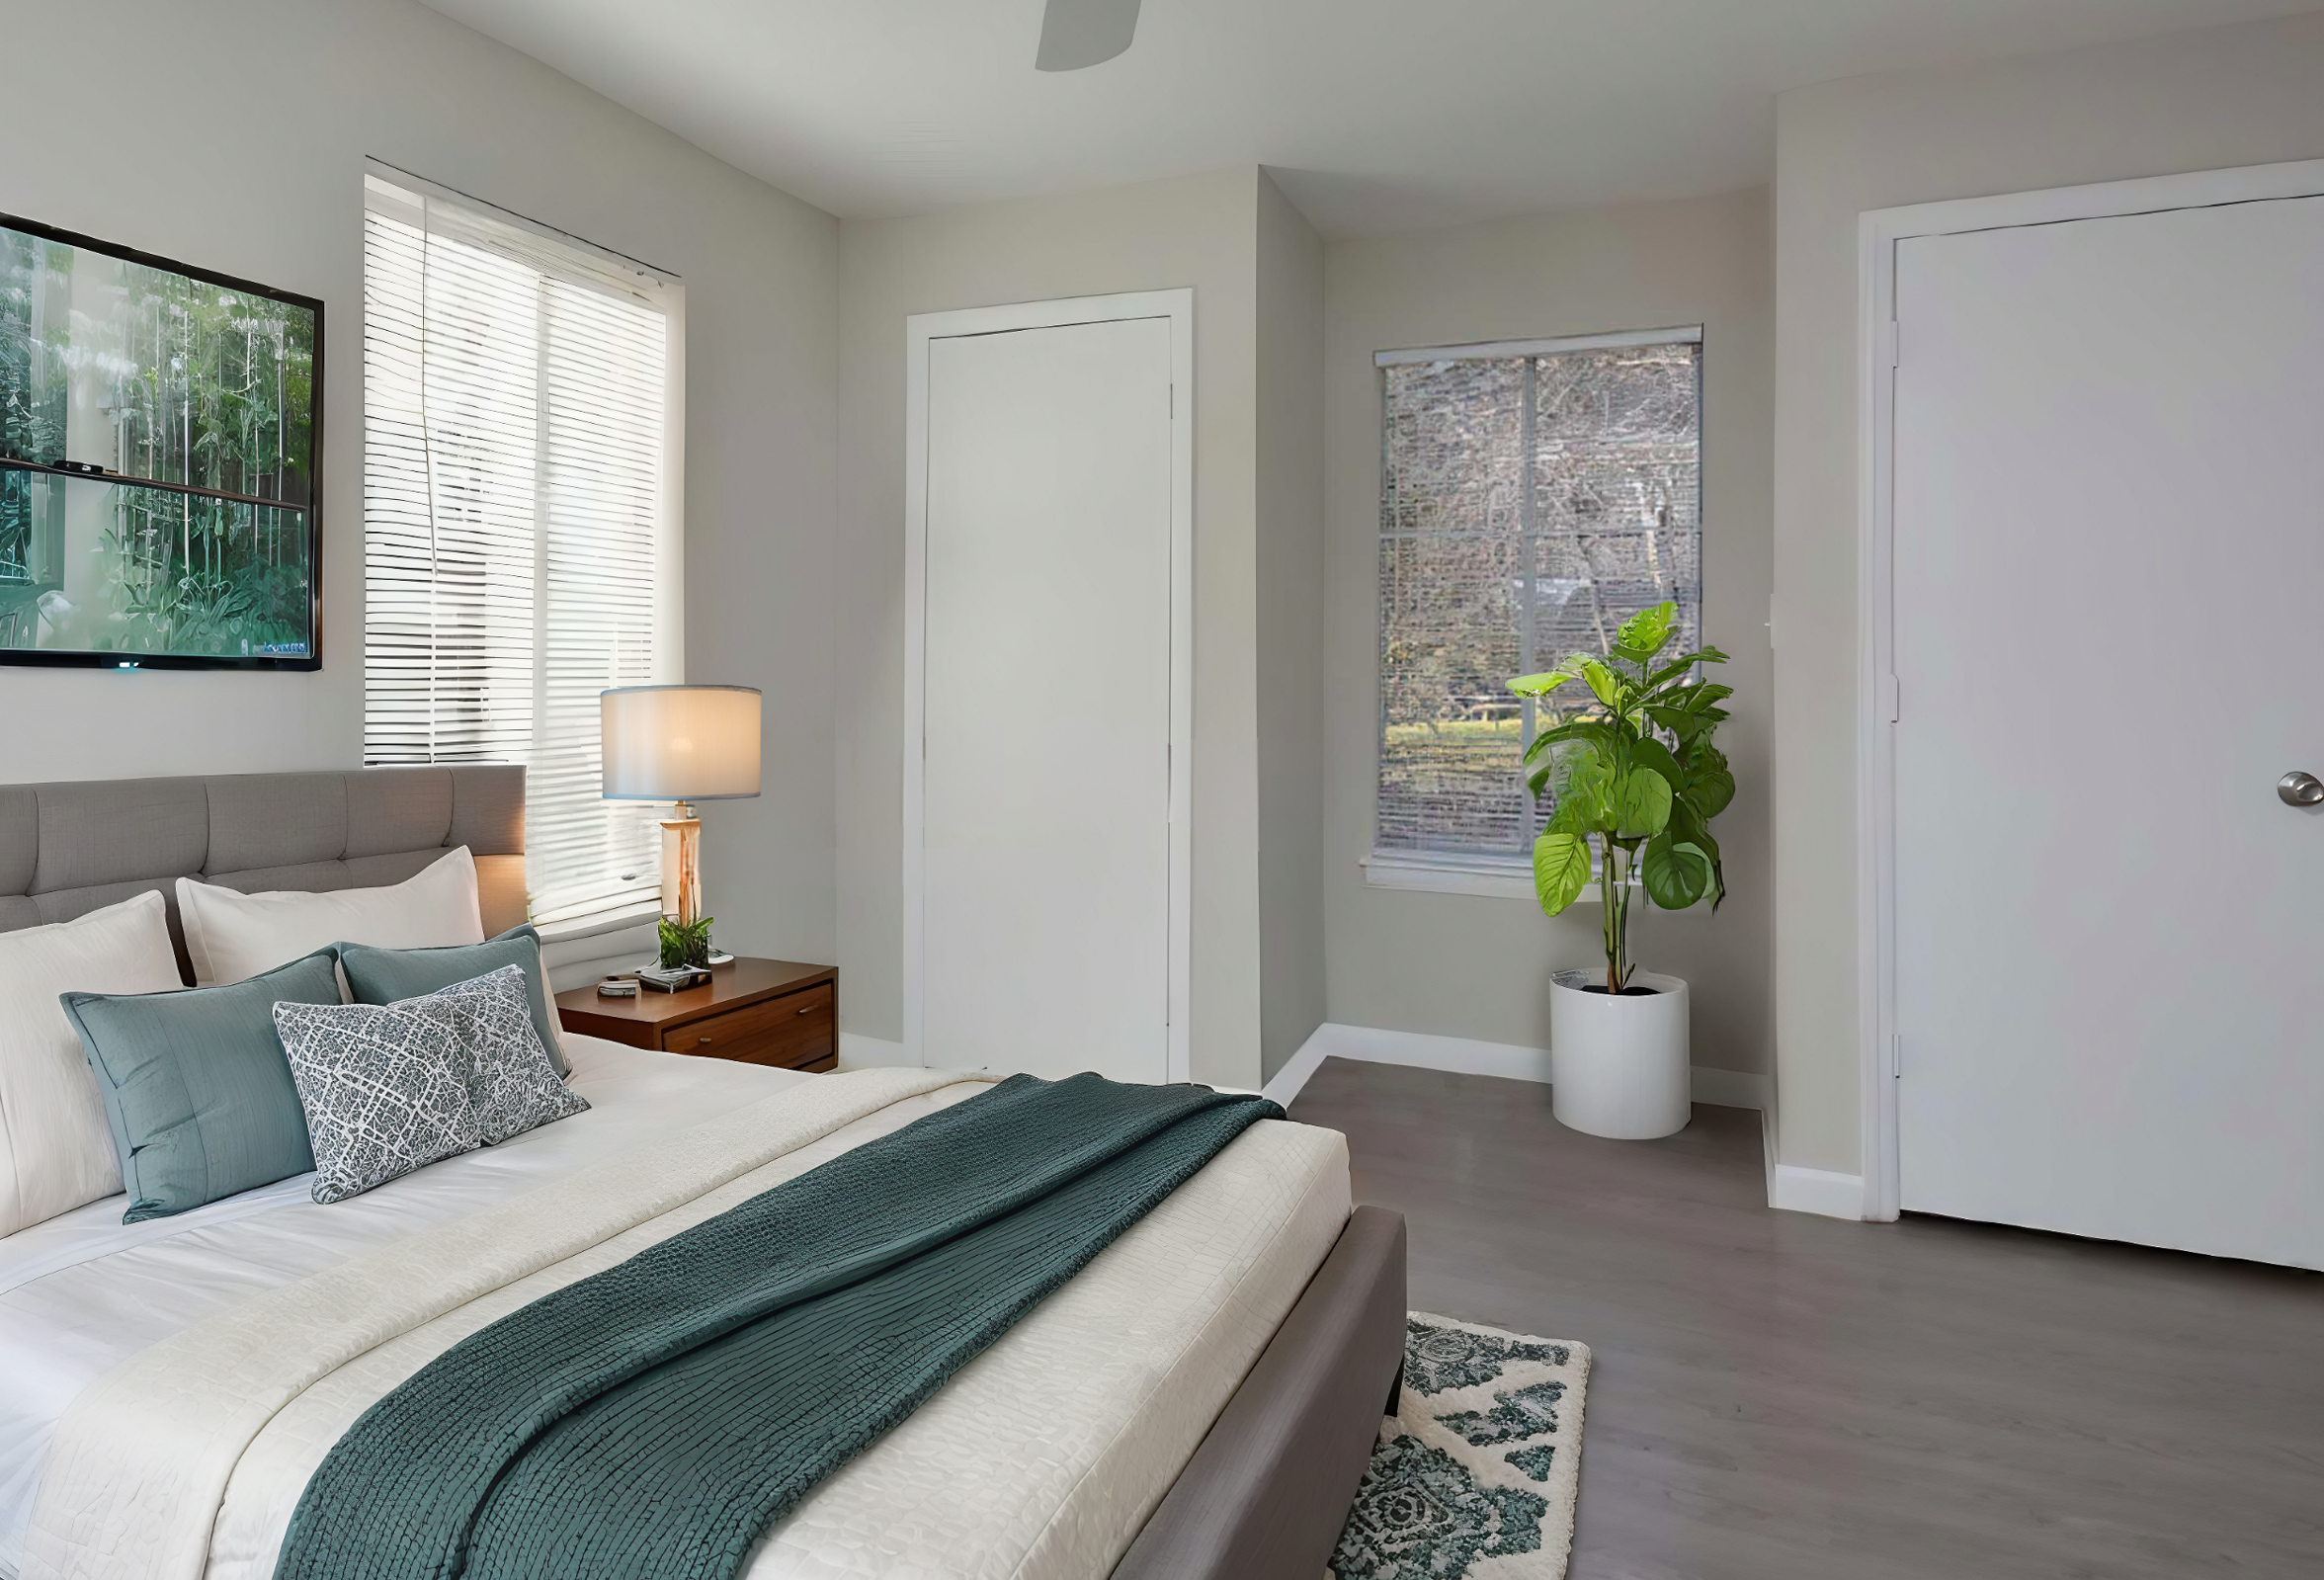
{"x":518,"y":523}
{"x":1533,"y":496}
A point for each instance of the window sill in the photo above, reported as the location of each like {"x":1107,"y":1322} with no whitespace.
{"x":1501,"y":878}
{"x":621,"y":919}
{"x":579,"y":950}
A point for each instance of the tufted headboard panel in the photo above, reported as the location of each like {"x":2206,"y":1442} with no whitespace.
{"x":67,"y":849}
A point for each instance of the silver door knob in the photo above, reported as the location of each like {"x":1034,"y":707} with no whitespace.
{"x":2298,"y":789}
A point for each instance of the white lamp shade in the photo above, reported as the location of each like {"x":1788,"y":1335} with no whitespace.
{"x":680,"y":743}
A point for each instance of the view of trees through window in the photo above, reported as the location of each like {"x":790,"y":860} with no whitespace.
{"x":1529,"y":505}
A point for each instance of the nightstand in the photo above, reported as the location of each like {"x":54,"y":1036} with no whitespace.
{"x":761,"y":1012}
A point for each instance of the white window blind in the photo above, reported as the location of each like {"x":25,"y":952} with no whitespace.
{"x":1533,"y":495}
{"x":518,"y":550}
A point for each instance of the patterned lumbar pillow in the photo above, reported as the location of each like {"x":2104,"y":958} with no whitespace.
{"x":386,"y":1088}
{"x":513,"y":1082}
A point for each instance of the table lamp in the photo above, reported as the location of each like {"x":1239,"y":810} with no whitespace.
{"x":683,"y":744}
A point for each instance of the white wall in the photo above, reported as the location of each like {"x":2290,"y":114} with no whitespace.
{"x":1291,"y":629}
{"x":1469,"y":967}
{"x":1198,"y":231}
{"x":2190,"y":101}
{"x":231,"y":134}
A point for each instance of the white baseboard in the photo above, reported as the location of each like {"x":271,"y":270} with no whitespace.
{"x":1767,"y":1151}
{"x":1833,"y":1196}
{"x":1463,"y":1055}
{"x":1792,"y":1188}
{"x":1293,"y":1076}
{"x":1727,"y":1089}
{"x":859,"y":1052}
{"x":1425,"y":1050}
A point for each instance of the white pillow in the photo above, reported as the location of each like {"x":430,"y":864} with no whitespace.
{"x":56,"y":1147}
{"x":231,"y":936}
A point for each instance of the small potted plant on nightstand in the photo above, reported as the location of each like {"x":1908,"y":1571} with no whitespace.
{"x":1634,"y":772}
{"x":686,"y":944}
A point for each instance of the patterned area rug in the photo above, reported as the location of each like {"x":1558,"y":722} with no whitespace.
{"x":1474,"y":1478}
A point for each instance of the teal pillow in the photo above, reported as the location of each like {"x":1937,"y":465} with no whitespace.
{"x":195,"y":1086}
{"x":389,"y":977}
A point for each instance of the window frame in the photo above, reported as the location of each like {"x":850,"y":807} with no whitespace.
{"x":1490,"y":874}
{"x":568,"y":257}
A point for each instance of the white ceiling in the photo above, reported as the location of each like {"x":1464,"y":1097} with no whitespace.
{"x":1376,"y":115}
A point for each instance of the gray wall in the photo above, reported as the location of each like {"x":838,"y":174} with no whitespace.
{"x":2189,"y":101}
{"x":1290,"y":627}
{"x":1469,"y":967}
{"x":1198,"y":231}
{"x":231,"y":134}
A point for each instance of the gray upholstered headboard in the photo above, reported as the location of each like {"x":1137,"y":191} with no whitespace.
{"x":67,"y":849}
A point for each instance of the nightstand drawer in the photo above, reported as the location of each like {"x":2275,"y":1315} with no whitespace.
{"x":797,"y":1031}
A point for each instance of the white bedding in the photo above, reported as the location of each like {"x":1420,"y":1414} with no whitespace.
{"x":1039,"y":1458}
{"x":83,"y":1291}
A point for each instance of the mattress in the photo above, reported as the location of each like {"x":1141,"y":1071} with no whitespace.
{"x":1041,"y":1458}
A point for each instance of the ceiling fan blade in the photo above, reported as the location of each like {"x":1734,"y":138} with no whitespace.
{"x":1081,"y":33}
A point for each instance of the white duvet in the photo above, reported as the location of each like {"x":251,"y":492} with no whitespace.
{"x":169,"y":1386}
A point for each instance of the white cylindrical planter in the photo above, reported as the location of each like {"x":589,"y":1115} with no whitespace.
{"x":1617,"y":1066}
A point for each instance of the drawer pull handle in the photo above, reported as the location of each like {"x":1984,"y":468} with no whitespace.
{"x":706,"y":1042}
{"x":804,"y":1008}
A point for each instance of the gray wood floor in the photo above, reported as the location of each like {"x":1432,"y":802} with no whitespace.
{"x":1784,"y":1397}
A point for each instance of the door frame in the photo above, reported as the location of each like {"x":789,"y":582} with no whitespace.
{"x":1878,"y":701}
{"x":920,"y":331}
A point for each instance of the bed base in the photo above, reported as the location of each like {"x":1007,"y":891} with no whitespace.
{"x":1266,"y":1494}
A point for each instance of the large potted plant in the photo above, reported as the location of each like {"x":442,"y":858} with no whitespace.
{"x":1635,"y":782}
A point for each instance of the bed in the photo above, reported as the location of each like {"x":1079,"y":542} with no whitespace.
{"x":1198,"y":1400}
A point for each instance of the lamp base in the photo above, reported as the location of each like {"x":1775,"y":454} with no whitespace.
{"x":682,"y":865}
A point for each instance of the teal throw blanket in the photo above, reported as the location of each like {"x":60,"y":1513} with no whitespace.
{"x":654,"y":1419}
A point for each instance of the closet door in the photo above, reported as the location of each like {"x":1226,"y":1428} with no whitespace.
{"x":2109,"y":978}
{"x":1045,"y":840}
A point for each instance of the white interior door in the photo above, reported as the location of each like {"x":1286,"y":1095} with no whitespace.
{"x":1044,"y":857}
{"x":2109,"y":478}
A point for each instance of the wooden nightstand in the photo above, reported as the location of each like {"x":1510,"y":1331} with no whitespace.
{"x":761,"y":1012}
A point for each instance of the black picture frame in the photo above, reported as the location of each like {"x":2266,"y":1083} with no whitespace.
{"x":100,"y":658}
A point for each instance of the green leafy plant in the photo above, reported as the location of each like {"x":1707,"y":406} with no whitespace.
{"x":686,"y":943}
{"x":1633,"y":770}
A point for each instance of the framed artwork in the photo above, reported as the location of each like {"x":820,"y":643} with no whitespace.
{"x":160,"y":441}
